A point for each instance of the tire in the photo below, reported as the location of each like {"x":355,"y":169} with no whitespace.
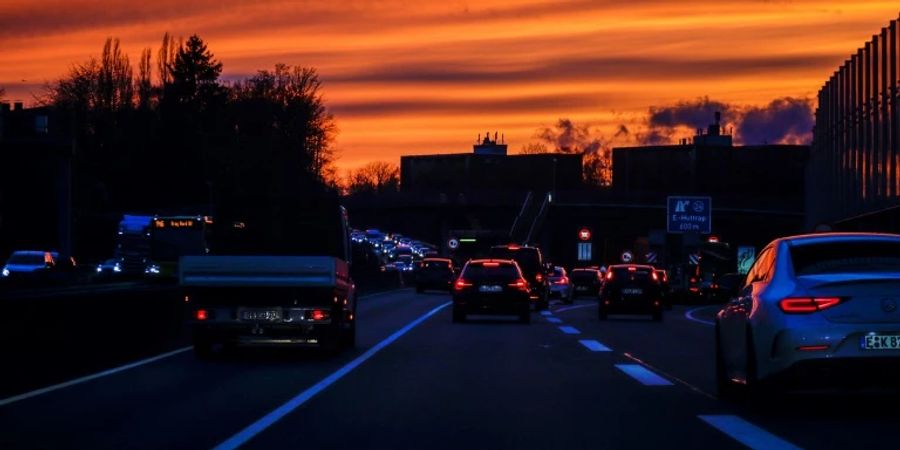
{"x":459,"y":316}
{"x":726,"y":389}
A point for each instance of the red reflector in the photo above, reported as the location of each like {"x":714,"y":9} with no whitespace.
{"x":807,"y":305}
{"x":201,"y":314}
{"x":812,"y":348}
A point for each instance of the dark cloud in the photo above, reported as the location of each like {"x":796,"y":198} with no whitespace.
{"x":783,"y":121}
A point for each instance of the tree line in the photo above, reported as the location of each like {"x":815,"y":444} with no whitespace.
{"x":170,"y":135}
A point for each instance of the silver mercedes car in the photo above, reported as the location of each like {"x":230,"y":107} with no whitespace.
{"x":814,"y":309}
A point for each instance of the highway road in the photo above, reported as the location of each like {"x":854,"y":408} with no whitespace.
{"x":415,"y":380}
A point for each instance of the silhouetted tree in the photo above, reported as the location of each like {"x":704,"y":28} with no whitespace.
{"x":145,"y":81}
{"x":568,"y":137}
{"x":165,"y":56}
{"x":373,"y":178}
{"x":2,"y":92}
{"x":194,"y":76}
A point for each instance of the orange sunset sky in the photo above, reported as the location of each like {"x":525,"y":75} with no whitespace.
{"x":416,"y":77}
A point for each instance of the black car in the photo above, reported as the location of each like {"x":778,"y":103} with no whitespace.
{"x":531,"y":263}
{"x":491,"y":286}
{"x":631,"y":289}
{"x":435,"y":273}
{"x":586,"y":281}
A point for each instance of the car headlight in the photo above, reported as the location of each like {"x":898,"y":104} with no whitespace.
{"x":153,"y":269}
{"x":5,"y":272}
{"x":117,"y":268}
{"x":99,"y":268}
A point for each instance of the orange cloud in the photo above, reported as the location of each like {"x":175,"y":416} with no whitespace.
{"x":421,"y":77}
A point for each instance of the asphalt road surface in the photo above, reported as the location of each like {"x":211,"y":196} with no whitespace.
{"x":415,"y":380}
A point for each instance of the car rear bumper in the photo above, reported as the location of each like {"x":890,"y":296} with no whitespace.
{"x":500,"y":304}
{"x":560,"y":291}
{"x":837,"y":346}
{"x":632,"y":306}
{"x":266,"y":335}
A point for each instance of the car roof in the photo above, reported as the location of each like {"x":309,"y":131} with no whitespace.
{"x":437,"y":259}
{"x":818,"y":238}
{"x":625,"y":266}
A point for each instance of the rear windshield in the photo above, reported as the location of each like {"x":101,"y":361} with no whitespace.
{"x":558,"y":272}
{"x":584,"y":274}
{"x":26,"y":258}
{"x":846,"y":257}
{"x":529,"y":259}
{"x":436,"y":265}
{"x":478,"y":271}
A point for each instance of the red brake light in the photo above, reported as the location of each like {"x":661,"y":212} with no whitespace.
{"x":655,"y":276}
{"x":519,"y":284}
{"x":201,"y":314}
{"x":491,"y":264}
{"x":807,"y":305}
{"x":609,"y":275}
{"x":539,"y":277}
{"x":632,"y":269}
{"x":461,"y":284}
{"x":563,"y":280}
{"x":319,"y":314}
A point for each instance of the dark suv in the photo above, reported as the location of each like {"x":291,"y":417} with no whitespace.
{"x":531,"y":262}
{"x":631,"y":289}
{"x":491,"y":286}
{"x":586,"y":281}
{"x":434,"y":273}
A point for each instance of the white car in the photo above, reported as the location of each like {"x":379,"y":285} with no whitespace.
{"x":813,"y":310}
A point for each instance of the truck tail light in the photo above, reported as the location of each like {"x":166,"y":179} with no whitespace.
{"x":318,"y":315}
{"x":201,"y":314}
{"x":807,"y":305}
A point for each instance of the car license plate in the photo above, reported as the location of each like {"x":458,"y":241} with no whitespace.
{"x":880,"y":342}
{"x":490,"y":288}
{"x":581,"y":288}
{"x":267,"y":315}
{"x":632,"y":291}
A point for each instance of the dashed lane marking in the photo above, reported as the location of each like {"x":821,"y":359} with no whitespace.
{"x":594,"y":346}
{"x":644,"y":375}
{"x":746,"y":433}
{"x":569,"y":330}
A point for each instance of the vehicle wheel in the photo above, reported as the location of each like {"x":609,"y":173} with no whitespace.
{"x":459,"y":316}
{"x":203,"y":349}
{"x":525,"y":316}
{"x":727,"y":390}
{"x":754,"y":390}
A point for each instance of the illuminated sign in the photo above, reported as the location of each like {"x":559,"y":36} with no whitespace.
{"x":584,"y":234}
{"x":689,"y":215}
{"x":164,"y":223}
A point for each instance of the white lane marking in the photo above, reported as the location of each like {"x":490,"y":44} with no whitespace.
{"x":644,"y":375}
{"x":266,"y":421}
{"x":115,"y":370}
{"x":569,"y":330}
{"x":746,"y":433}
{"x":669,"y":375}
{"x":569,"y":308}
{"x":689,"y":314}
{"x":554,"y":320}
{"x":594,"y":346}
{"x":546,"y":313}
{"x":56,"y":387}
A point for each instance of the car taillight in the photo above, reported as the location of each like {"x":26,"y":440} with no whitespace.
{"x":539,"y":278}
{"x":807,"y":305}
{"x":609,"y":275}
{"x":655,"y":276}
{"x":318,"y":315}
{"x":461,"y":284}
{"x":519,"y":284}
{"x":201,"y":314}
{"x":563,"y":280}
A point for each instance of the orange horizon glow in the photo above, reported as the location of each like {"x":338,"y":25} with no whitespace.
{"x":429,"y":76}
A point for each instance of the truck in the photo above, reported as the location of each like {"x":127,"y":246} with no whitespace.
{"x":279,"y":280}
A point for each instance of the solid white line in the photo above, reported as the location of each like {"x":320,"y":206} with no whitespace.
{"x":569,"y":330}
{"x":56,"y":387}
{"x":746,"y":433}
{"x":260,"y":425}
{"x":554,"y":320}
{"x":594,"y":346}
{"x":689,"y":314}
{"x":569,"y":308}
